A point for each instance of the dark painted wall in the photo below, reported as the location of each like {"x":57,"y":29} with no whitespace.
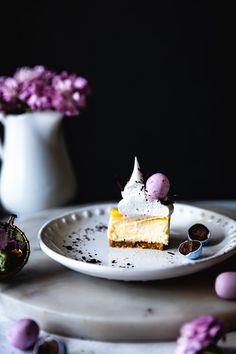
{"x":159,"y":76}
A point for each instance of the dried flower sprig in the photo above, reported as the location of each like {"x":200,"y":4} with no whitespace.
{"x":39,"y":89}
{"x":200,"y":334}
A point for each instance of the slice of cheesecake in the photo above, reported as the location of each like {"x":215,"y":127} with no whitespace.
{"x":144,"y":232}
{"x":142,"y":216}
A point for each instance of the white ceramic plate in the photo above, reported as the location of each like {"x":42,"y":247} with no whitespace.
{"x":78,"y":240}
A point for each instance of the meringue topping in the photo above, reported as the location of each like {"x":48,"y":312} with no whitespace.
{"x":135,"y":202}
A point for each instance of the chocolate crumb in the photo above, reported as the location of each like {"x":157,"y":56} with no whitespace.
{"x":171,"y":253}
{"x":88,"y":229}
{"x":69,"y":248}
{"x":149,"y":310}
{"x":101,"y":227}
{"x":93,"y":261}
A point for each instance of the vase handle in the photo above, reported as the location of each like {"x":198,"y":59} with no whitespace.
{"x":2,"y":120}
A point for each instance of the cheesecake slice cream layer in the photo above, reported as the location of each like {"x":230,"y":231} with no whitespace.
{"x":145,"y":232}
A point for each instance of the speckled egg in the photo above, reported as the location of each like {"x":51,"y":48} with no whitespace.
{"x":157,"y":186}
{"x":23,"y":334}
{"x":225,"y":285}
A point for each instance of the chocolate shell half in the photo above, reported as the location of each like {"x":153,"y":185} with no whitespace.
{"x":199,"y":232}
{"x":50,"y":345}
{"x":190,"y":249}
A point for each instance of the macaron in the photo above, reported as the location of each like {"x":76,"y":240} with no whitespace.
{"x":157,"y":186}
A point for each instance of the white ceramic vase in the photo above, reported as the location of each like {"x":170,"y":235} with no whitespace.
{"x":36,"y":172}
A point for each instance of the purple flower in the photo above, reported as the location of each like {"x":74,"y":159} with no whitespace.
{"x":9,"y":90}
{"x":39,"y":89}
{"x":26,"y":74}
{"x":36,"y":91}
{"x":199,"y":334}
{"x":70,"y":93}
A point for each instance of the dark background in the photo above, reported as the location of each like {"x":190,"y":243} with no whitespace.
{"x":159,"y":76}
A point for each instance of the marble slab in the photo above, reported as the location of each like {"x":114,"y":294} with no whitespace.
{"x":69,"y":303}
{"x":75,"y":346}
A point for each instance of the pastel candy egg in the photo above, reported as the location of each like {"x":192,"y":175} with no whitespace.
{"x":225,"y":285}
{"x":157,"y":186}
{"x":23,"y":334}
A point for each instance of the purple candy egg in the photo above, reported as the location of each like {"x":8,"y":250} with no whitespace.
{"x":23,"y":334}
{"x":225,"y":285}
{"x":157,"y":186}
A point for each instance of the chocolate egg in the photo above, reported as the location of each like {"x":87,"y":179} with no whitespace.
{"x":157,"y":186}
{"x":225,"y":285}
{"x":23,"y":334}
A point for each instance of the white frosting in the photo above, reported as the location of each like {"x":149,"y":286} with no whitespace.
{"x":135,"y":202}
